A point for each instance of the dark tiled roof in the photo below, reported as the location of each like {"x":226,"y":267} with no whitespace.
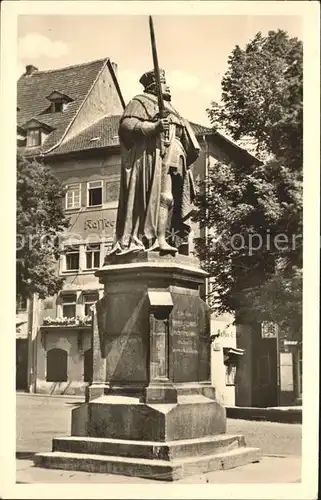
{"x":102,"y":134}
{"x":105,"y":133}
{"x":200,"y":129}
{"x":221,"y":139}
{"x":74,"y":81}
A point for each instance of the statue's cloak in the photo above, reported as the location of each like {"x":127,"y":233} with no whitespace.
{"x":141,"y":173}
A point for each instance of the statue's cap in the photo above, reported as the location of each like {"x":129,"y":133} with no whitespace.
{"x":148,"y":78}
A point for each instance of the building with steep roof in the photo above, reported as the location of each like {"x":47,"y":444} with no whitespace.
{"x":56,"y":105}
{"x":69,"y":118}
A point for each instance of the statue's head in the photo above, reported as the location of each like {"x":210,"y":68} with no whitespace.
{"x":149,"y":84}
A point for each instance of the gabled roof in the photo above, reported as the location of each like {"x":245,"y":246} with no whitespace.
{"x":34,"y":123}
{"x":56,"y":94}
{"x":221,"y":140}
{"x":102,"y":134}
{"x":74,"y":81}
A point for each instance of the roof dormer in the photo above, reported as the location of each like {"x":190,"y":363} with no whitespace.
{"x":59,"y":101}
{"x":36,"y":132}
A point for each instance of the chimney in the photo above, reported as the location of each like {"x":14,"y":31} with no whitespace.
{"x":115,"y":68}
{"x":30,"y":69}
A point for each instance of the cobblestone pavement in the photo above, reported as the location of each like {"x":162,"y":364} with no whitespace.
{"x":40,"y":418}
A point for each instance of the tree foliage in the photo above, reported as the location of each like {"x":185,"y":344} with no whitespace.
{"x":262,"y":94}
{"x":40,"y":220}
{"x":253,"y":210}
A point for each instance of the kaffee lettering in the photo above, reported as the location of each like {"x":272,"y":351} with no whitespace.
{"x":98,"y":224}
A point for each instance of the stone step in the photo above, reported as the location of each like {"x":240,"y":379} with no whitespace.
{"x":149,"y":449}
{"x":153,"y":469}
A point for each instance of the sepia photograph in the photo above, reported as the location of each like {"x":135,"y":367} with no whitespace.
{"x":163,"y":178}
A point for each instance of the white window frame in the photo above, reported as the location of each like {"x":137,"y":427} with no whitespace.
{"x":102,"y":192}
{"x":68,"y":186}
{"x":73,"y":303}
{"x":92,"y":251}
{"x":72,"y":252}
{"x":35,"y":129}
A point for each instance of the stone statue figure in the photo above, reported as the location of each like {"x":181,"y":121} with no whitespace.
{"x":157,"y":189}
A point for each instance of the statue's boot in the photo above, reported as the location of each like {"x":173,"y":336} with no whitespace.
{"x":137,"y":245}
{"x":166,"y":247}
{"x":134,"y":247}
{"x":162,"y":225}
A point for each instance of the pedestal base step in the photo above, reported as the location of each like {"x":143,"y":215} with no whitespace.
{"x":152,"y":450}
{"x":164,"y":470}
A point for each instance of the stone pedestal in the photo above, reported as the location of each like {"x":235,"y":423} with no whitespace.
{"x":155,"y":415}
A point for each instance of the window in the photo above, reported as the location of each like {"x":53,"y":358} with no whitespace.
{"x":57,"y":363}
{"x":72,"y":258}
{"x":73,"y":196}
{"x":58,"y":101}
{"x":57,"y":106}
{"x":89,"y":300}
{"x":231,"y":356}
{"x":21,"y":303}
{"x":95,"y":192}
{"x":34,"y":137}
{"x":230,"y":372}
{"x":69,"y":305}
{"x":93,"y":256}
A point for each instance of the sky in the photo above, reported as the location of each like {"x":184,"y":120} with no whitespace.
{"x":193,"y":50}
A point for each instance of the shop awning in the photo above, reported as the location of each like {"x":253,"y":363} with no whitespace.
{"x":235,"y":350}
{"x":231,"y":354}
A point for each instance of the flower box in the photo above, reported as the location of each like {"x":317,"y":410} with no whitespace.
{"x":63,"y":321}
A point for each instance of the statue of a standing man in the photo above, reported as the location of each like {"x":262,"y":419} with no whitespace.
{"x":157,"y":190}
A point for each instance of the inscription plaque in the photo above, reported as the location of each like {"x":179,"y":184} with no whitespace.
{"x":189,"y":339}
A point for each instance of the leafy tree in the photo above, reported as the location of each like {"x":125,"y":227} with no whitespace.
{"x":262,"y":94}
{"x":40,"y":219}
{"x":254,"y":213}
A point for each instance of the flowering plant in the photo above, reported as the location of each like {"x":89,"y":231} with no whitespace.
{"x":64,"y":321}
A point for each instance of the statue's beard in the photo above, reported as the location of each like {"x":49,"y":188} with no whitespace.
{"x":166,"y":96}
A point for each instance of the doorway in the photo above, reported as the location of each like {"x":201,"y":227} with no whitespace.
{"x":265,"y":373}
